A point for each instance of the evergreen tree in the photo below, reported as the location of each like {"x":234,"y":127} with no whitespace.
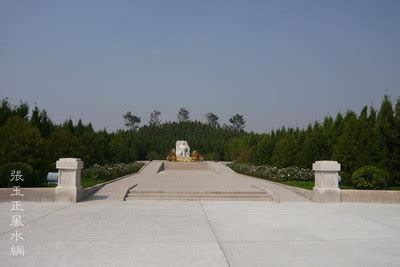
{"x":8,"y":111}
{"x":80,"y":128}
{"x":237,"y":123}
{"x":131,"y":121}
{"x":154,"y":118}
{"x":40,"y":120}
{"x":212,"y":119}
{"x":385,"y":126}
{"x":35,"y":118}
{"x":285,"y":152}
{"x":263,"y":151}
{"x":396,"y":170}
{"x":358,"y":145}
{"x":316,"y":146}
{"x":20,"y":142}
{"x":69,"y":125}
{"x":183,"y":115}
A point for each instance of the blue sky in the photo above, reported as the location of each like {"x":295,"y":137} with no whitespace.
{"x":280,"y":63}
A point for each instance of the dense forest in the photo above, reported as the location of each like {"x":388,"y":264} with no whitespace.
{"x":355,"y":140}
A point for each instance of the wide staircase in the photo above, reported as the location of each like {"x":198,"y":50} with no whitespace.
{"x":168,"y":195}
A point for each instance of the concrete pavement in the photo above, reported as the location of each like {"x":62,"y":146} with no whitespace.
{"x":215,"y":177}
{"x":204,"y":233}
{"x":103,"y":231}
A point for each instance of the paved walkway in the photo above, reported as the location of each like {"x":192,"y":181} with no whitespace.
{"x":103,"y":231}
{"x":209,"y":176}
{"x":204,"y":233}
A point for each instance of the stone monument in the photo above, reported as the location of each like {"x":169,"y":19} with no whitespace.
{"x":182,"y":149}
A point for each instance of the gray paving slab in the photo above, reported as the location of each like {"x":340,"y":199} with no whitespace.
{"x":218,"y":177}
{"x":206,"y":233}
{"x":103,"y":231}
{"x":381,"y":252}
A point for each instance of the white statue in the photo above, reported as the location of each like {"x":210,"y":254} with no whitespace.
{"x":182,"y":149}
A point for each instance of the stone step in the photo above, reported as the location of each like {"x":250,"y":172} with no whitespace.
{"x":198,"y":192}
{"x":198,"y":195}
{"x":199,"y":198}
{"x":159,"y":195}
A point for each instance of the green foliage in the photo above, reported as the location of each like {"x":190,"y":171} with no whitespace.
{"x":131,"y":121}
{"x":96,"y":174}
{"x":26,"y":170}
{"x":40,"y":120}
{"x":386,"y":130}
{"x":240,"y":146}
{"x":355,"y":140}
{"x":316,"y":144}
{"x":212,"y":119}
{"x":20,"y":142}
{"x":370,"y":177}
{"x":124,"y":147}
{"x":286,"y":150}
{"x":237,"y":123}
{"x":183,"y":115}
{"x":62,"y":144}
{"x":200,"y":136}
{"x":358,"y":145}
{"x":155,"y":119}
{"x":214,"y":156}
{"x":7,"y":111}
{"x":151,"y":155}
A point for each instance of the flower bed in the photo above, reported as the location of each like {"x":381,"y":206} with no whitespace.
{"x":97,"y":174}
{"x":273,"y":173}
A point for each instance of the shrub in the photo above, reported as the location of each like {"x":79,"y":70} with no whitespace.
{"x":110,"y":171}
{"x":273,"y":173}
{"x":369,"y":177}
{"x":151,"y":155}
{"x":215,"y":156}
{"x":27,"y":172}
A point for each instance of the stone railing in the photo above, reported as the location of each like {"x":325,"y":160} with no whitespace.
{"x":326,"y":189}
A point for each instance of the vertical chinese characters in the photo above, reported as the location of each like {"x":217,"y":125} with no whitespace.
{"x":17,"y":249}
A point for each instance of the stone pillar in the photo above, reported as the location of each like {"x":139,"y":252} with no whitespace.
{"x":326,"y":188}
{"x":69,"y":187}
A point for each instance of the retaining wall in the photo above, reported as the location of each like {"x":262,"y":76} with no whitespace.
{"x":30,"y":194}
{"x":370,"y":196}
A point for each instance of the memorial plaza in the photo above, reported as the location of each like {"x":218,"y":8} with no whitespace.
{"x":202,"y":214}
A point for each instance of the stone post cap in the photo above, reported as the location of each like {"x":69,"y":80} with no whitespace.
{"x":69,"y":163}
{"x":326,"y":165}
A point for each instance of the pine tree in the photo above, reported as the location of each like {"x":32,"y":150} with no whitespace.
{"x":212,"y":119}
{"x":154,"y":119}
{"x":358,"y":145}
{"x":397,"y":147}
{"x":237,"y":123}
{"x":285,"y":152}
{"x":385,"y":126}
{"x":131,"y":121}
{"x":183,"y":115}
{"x":315,"y":146}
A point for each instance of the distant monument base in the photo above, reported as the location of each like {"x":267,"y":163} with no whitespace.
{"x":184,"y":159}
{"x":182,"y":153}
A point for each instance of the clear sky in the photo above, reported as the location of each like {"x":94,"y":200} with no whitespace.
{"x":279,"y":63}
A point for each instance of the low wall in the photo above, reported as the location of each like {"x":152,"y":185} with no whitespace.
{"x":202,"y":165}
{"x":47,"y":194}
{"x":370,"y":196}
{"x":30,"y":194}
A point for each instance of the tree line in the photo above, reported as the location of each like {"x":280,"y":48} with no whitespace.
{"x":371,"y":137}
